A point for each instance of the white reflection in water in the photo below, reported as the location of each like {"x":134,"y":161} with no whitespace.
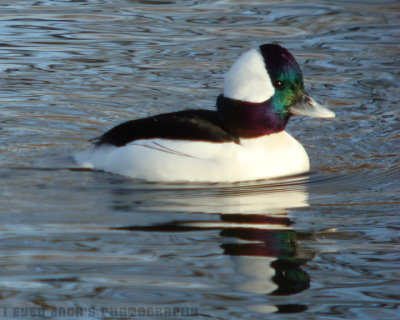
{"x":255,"y":230}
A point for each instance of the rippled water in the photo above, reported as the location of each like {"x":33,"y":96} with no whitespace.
{"x":323,"y":245}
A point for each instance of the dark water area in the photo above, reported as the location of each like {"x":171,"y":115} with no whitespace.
{"x":319,"y":246}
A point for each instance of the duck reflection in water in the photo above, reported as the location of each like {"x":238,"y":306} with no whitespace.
{"x":257,"y":234}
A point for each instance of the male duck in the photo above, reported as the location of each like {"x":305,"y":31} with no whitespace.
{"x":244,"y":139}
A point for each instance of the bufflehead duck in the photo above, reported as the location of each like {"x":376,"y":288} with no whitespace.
{"x":244,"y":139}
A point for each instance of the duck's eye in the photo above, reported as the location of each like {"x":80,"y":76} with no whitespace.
{"x":279,"y":85}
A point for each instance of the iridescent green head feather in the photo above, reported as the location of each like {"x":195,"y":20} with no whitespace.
{"x":285,"y":75}
{"x":262,"y":90}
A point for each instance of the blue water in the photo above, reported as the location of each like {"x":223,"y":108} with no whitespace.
{"x":319,"y":246}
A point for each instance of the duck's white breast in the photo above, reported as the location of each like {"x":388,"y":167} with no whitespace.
{"x":266,"y":157}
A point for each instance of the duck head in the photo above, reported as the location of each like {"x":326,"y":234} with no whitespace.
{"x":262,"y":90}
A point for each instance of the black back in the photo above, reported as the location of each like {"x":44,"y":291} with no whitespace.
{"x":198,"y":125}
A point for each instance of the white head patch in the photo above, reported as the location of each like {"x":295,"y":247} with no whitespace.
{"x":248,"y":79}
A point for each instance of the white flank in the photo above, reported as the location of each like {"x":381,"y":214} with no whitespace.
{"x":271,"y":156}
{"x":248,"y":79}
